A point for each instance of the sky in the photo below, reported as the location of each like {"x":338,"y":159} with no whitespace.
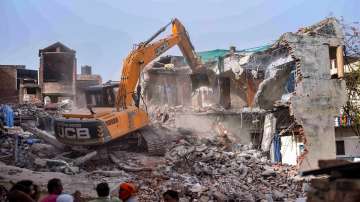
{"x":103,"y":32}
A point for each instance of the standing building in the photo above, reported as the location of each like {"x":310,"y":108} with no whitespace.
{"x":57,"y":73}
{"x":85,"y":80}
{"x":18,"y":85}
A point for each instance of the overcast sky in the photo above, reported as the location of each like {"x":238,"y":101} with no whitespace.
{"x":103,"y":32}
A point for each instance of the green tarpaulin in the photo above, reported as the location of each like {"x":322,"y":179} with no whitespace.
{"x":215,"y":54}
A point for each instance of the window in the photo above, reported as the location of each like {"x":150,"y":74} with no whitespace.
{"x":30,"y":90}
{"x":340,"y":147}
{"x":333,"y":62}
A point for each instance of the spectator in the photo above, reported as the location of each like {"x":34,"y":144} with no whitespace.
{"x":3,"y":192}
{"x":23,"y":191}
{"x":65,"y":198}
{"x":127,"y":192}
{"x":77,"y":196}
{"x":103,"y":192}
{"x":55,"y":188}
{"x":171,"y":196}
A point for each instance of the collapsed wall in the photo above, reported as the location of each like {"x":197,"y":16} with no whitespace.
{"x":318,"y":98}
{"x":277,"y":64}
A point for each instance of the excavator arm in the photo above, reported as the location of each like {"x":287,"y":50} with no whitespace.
{"x":186,"y":47}
{"x":147,"y":52}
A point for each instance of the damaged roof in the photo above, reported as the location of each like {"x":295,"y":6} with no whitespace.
{"x":329,"y":27}
{"x":53,"y":48}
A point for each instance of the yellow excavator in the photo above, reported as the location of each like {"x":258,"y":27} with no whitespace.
{"x":110,"y":117}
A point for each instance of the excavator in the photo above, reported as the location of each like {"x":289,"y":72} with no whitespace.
{"x":117,"y":112}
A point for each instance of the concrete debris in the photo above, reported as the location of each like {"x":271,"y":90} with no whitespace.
{"x":200,"y":169}
{"x":44,"y":150}
{"x":165,"y":115}
{"x":54,"y":165}
{"x":48,"y":138}
{"x":107,"y":173}
{"x":83,"y":159}
{"x":214,"y":169}
{"x":241,"y":174}
{"x":126,"y":168}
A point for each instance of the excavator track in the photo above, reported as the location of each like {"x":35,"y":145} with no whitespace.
{"x":154,"y":143}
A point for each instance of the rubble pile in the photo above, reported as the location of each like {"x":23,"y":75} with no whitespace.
{"x":24,"y":149}
{"x":165,"y":115}
{"x":14,"y":148}
{"x":207,"y":172}
{"x":22,"y":145}
{"x":29,"y":110}
{"x":200,"y":169}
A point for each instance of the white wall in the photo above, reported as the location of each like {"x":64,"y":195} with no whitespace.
{"x":352,"y":146}
{"x":289,"y":150}
{"x":351,"y":142}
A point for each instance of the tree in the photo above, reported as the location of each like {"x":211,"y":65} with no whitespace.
{"x":352,"y":78}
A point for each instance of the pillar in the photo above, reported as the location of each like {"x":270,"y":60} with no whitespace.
{"x":340,"y":61}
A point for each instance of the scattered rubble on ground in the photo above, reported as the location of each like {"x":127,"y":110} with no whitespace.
{"x":200,"y":169}
{"x":204,"y":171}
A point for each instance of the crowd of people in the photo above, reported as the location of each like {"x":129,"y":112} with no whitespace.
{"x":27,"y":191}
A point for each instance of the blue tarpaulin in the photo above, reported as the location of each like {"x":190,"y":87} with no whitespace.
{"x":7,"y":115}
{"x":277,"y":147}
{"x":290,"y":84}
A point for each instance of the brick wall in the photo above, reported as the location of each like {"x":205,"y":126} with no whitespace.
{"x":8,"y":88}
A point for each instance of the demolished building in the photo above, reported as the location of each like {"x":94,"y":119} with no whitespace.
{"x":317,"y":98}
{"x":293,"y":87}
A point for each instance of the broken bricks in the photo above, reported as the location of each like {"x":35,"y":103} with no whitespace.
{"x":201,"y":170}
{"x":239,"y":174}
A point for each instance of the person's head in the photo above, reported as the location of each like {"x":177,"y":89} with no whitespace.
{"x":25,"y":186}
{"x":65,"y":198}
{"x":3,"y":192}
{"x":103,"y":189}
{"x":54,"y":186}
{"x":171,"y":196}
{"x":126,"y":190}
